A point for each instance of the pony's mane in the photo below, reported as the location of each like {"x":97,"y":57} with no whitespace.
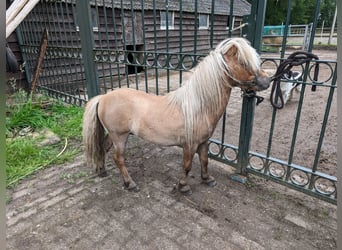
{"x":246,"y":54}
{"x":203,"y":93}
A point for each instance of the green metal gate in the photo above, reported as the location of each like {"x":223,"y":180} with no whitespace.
{"x":96,"y":46}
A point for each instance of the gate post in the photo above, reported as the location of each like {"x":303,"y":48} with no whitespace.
{"x":87,"y":43}
{"x":253,"y":32}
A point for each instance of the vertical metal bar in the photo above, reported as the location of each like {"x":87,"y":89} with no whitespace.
{"x":124,"y":40}
{"x":287,"y":23}
{"x":57,"y":42}
{"x":231,"y":15}
{"x":167,"y":47}
{"x":98,"y":37}
{"x":301,"y":98}
{"x":79,"y":60}
{"x":324,"y":125}
{"x":144,"y":48}
{"x":72,"y":65}
{"x":246,"y":128}
{"x":212,"y":19}
{"x":305,"y":35}
{"x":116,"y":48}
{"x":48,"y":57}
{"x":196,"y":30}
{"x":134,"y":54}
{"x":223,"y":129}
{"x":314,"y":25}
{"x":248,"y":103}
{"x":155,"y":44}
{"x":180,"y":58}
{"x":108,"y":63}
{"x":296,"y":125}
{"x":64,"y":34}
{"x":87,"y":42}
{"x":259,"y":24}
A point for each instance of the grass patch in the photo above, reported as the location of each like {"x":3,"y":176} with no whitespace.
{"x":23,"y":156}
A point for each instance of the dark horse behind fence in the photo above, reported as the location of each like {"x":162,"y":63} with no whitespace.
{"x":185,"y":117}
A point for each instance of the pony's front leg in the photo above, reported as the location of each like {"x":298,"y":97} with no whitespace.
{"x":203,"y":157}
{"x":188,"y":155}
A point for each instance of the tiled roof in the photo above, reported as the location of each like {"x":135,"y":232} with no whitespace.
{"x":222,"y":7}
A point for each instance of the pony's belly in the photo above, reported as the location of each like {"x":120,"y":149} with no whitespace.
{"x":162,"y":135}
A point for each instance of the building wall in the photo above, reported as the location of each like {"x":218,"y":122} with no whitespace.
{"x":63,"y":67}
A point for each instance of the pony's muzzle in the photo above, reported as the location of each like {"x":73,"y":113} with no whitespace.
{"x":262,"y":82}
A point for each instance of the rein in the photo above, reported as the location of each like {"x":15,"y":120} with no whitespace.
{"x":295,"y":59}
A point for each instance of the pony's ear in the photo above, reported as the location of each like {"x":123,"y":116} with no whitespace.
{"x":232,"y":51}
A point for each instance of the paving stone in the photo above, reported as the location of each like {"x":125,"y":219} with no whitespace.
{"x":245,"y":243}
{"x":21,"y":216}
{"x":297,"y":221}
{"x":53,"y":201}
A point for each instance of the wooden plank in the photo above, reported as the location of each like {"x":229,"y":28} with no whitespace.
{"x":19,"y":17}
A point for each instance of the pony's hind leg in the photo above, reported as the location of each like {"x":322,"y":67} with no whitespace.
{"x":203,"y":157}
{"x":101,"y":170}
{"x":107,"y":144}
{"x":119,"y":143}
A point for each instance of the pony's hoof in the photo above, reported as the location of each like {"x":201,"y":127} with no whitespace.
{"x":132,"y":187}
{"x":210,"y":181}
{"x":184,"y":189}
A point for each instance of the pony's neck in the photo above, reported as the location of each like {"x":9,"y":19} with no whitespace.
{"x":210,"y":85}
{"x":204,"y":97}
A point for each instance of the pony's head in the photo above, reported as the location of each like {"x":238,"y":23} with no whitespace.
{"x":242,"y":65}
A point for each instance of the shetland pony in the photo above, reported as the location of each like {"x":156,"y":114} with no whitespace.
{"x":185,"y":117}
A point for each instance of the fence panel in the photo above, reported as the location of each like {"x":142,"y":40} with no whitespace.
{"x":285,"y":147}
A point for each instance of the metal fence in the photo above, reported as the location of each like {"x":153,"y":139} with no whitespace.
{"x":99,"y":45}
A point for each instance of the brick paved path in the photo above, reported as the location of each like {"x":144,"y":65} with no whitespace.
{"x":67,"y":207}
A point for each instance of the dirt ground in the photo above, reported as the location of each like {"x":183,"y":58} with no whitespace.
{"x":269,"y":215}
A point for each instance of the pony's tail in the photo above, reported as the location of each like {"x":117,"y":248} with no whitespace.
{"x":93,"y":136}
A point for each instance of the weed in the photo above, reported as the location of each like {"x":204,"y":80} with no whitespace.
{"x":114,"y":181}
{"x":8,"y":199}
{"x":23,"y":156}
{"x":68,"y":177}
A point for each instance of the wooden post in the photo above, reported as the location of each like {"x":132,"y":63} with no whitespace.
{"x":332,"y":27}
{"x":42,"y":50}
